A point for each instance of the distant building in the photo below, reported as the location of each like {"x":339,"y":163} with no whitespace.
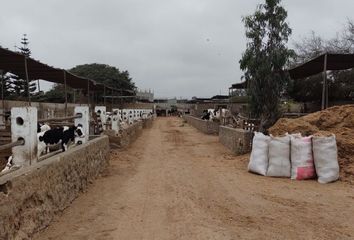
{"x":145,"y":96}
{"x":238,"y":89}
{"x":238,"y":92}
{"x":214,"y":99}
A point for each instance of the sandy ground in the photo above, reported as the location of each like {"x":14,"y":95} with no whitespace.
{"x":177,"y":183}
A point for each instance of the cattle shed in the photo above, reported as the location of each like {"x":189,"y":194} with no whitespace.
{"x":323,"y":63}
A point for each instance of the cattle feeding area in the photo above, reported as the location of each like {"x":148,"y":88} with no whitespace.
{"x":35,"y":139}
{"x":53,"y":160}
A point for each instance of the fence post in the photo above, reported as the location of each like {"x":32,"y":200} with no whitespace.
{"x":24,"y":126}
{"x":116,"y":119}
{"x":101,"y":111}
{"x":84,"y":121}
{"x":2,"y":119}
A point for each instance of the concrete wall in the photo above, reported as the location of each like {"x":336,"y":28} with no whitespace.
{"x":237,"y":140}
{"x":32,"y":196}
{"x":207,"y":127}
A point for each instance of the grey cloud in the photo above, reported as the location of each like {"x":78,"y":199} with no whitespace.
{"x":176,"y":47}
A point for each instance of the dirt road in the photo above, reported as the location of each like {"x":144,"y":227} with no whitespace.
{"x":177,"y":183}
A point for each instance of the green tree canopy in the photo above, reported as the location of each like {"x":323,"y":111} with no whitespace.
{"x":264,"y":59}
{"x":57,"y":94}
{"x":106,"y":74}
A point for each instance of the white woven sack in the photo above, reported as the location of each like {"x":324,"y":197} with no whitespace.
{"x":325,"y":157}
{"x":259,"y":155}
{"x":302,"y":164}
{"x":279,"y":157}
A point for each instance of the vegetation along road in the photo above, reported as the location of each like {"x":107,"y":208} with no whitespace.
{"x":177,"y":183}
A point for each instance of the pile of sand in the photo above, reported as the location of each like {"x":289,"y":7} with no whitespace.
{"x":338,"y":120}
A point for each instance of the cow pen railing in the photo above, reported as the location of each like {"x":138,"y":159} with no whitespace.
{"x":24,"y":137}
{"x":78,"y":115}
{"x":19,"y":142}
{"x":23,"y":141}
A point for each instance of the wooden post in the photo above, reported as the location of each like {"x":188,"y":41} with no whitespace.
{"x":66,"y":94}
{"x":2,"y":90}
{"x":27,"y":79}
{"x":39,"y":86}
{"x":112,"y":99}
{"x":121,"y":100}
{"x":88,"y":93}
{"x":324,"y":84}
{"x":104,"y":95}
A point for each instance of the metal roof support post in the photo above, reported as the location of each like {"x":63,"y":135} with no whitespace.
{"x":66,"y":94}
{"x":324,"y":84}
{"x":27,"y":80}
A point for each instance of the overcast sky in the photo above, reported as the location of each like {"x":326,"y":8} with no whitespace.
{"x":178,"y":48}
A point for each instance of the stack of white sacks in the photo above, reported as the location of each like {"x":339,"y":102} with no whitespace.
{"x":294,"y":156}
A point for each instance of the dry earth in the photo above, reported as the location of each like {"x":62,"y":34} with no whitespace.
{"x":177,"y":183}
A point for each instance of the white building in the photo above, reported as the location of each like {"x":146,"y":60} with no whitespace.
{"x":145,"y":96}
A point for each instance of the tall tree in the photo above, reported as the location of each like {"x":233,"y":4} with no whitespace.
{"x":21,"y":87}
{"x":24,"y":48}
{"x":57,"y":94}
{"x":264,"y":59}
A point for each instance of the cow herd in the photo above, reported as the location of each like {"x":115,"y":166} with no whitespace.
{"x":124,"y":117}
{"x":225,"y":117}
{"x":215,"y":114}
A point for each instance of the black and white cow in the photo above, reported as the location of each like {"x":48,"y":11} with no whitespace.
{"x":9,"y":164}
{"x":42,"y":127}
{"x":62,"y":135}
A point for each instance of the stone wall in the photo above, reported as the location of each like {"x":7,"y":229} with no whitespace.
{"x":237,"y":140}
{"x":207,"y":127}
{"x":126,"y":136}
{"x":147,"y":123}
{"x":32,"y":196}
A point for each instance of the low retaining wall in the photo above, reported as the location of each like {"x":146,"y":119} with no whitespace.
{"x":207,"y":127}
{"x":237,"y":140}
{"x":32,"y":196}
{"x":147,"y":123}
{"x":126,"y":136}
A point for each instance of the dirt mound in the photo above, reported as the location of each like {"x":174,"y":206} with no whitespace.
{"x":338,"y":120}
